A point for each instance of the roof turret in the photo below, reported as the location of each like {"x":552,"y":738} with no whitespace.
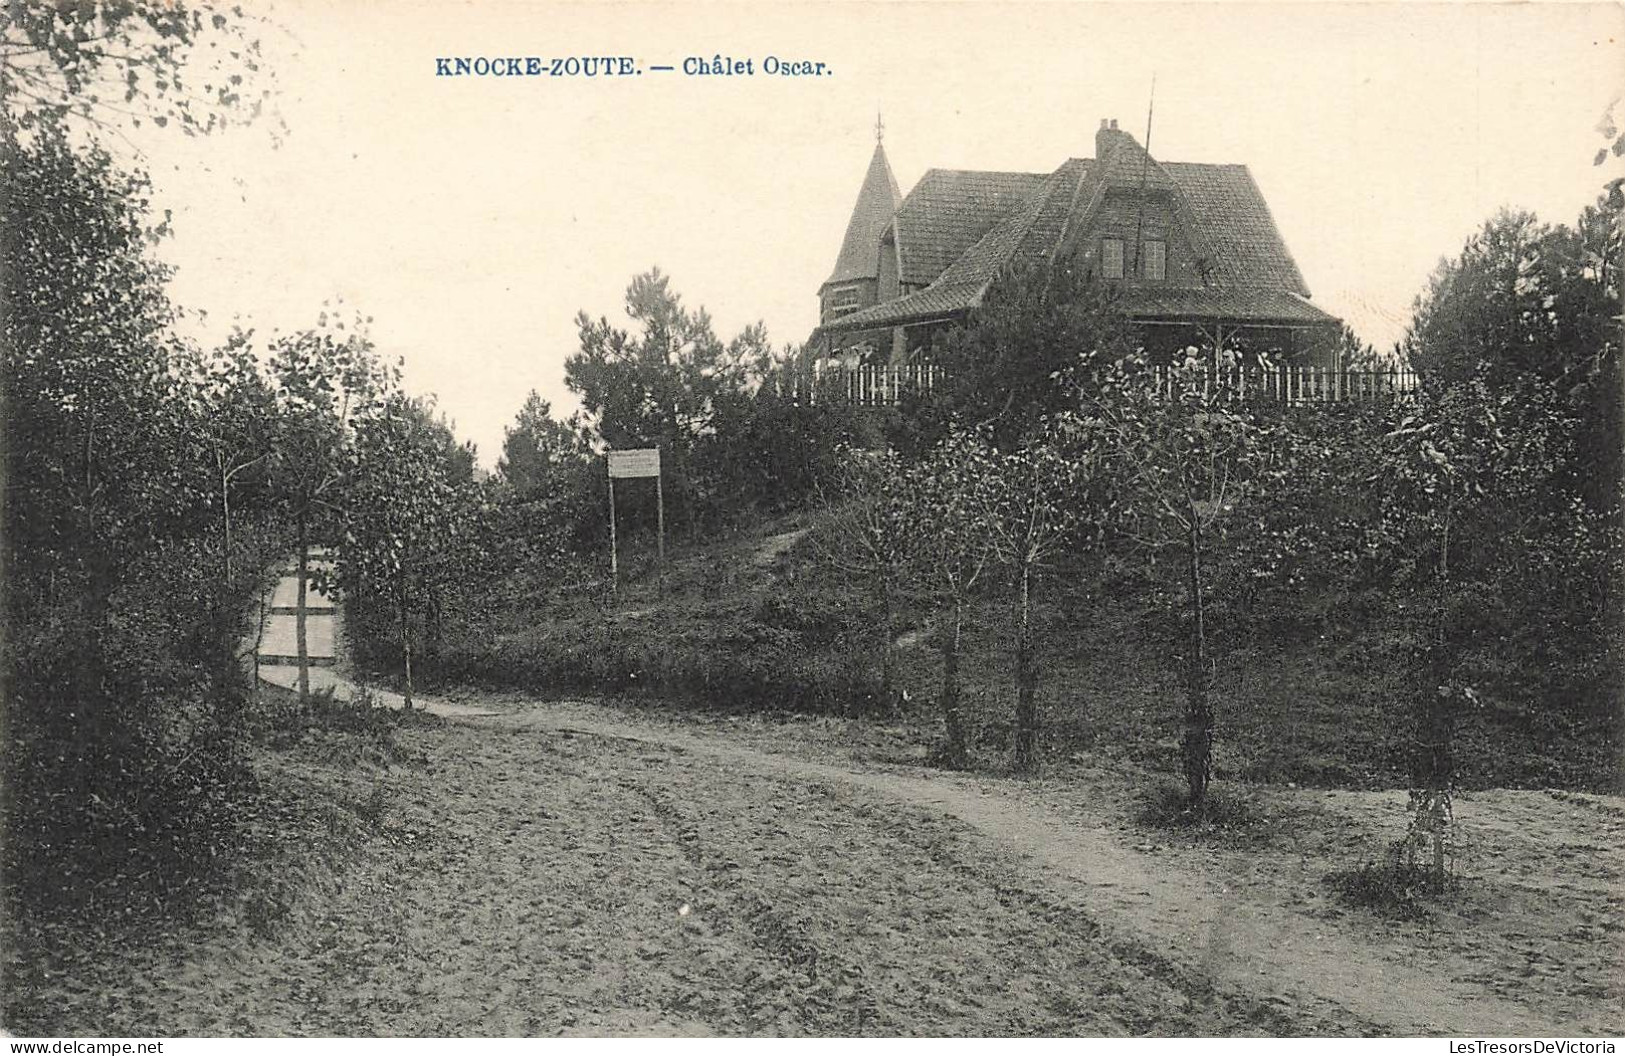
{"x":878,"y":200}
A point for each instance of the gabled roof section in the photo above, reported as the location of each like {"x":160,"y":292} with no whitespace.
{"x":948,"y":211}
{"x":1030,"y":232}
{"x":1056,"y":212}
{"x":878,"y":200}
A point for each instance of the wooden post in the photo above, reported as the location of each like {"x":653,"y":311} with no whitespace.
{"x":660,"y":535}
{"x":302,"y":570}
{"x":614,"y":555}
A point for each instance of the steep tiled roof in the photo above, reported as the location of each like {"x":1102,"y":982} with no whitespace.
{"x":1228,"y":208}
{"x":1126,"y":164}
{"x":948,"y":210}
{"x":878,"y":199}
{"x":1029,"y":232}
{"x":1054,"y":212}
{"x":1250,"y":274}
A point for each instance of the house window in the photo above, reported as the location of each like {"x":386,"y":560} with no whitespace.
{"x":1111,"y":258}
{"x":1156,"y":260}
{"x":846,"y":299}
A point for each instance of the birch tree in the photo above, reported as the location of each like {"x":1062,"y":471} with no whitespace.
{"x":403,"y":516}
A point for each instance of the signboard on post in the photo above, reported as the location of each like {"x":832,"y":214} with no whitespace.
{"x":636,"y":462}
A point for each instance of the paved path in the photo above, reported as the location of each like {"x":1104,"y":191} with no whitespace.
{"x":277,"y":655}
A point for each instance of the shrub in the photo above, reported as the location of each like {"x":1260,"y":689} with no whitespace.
{"x":123,"y":753}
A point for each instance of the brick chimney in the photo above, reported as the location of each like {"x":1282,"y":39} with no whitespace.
{"x":1105,"y":140}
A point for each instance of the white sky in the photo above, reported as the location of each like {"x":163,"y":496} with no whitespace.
{"x":472,"y":218}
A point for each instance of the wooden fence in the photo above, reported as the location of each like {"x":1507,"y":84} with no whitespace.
{"x":886,"y":386}
{"x":867,"y":386}
{"x":1299,"y":385}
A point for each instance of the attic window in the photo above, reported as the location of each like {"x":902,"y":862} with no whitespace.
{"x":846,"y":299}
{"x":1156,"y":260}
{"x":1111,"y":258}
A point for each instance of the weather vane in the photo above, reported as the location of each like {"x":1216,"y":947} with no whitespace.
{"x":880,"y":128}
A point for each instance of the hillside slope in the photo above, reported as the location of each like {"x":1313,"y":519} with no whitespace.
{"x":760,"y":620}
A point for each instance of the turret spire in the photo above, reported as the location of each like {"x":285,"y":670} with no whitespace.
{"x":878,"y":199}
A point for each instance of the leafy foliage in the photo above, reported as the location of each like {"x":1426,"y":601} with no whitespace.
{"x":124,"y":605}
{"x":947,"y":498}
{"x":1027,"y":349}
{"x":1038,"y":498}
{"x":1186,"y":458}
{"x":1525,"y":302}
{"x":406,"y":517}
{"x":663,"y":385}
{"x":540,"y":454}
{"x":768,"y":454}
{"x":194,"y":65}
{"x":871,"y":535}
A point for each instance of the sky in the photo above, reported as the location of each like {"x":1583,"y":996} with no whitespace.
{"x":472,"y":218}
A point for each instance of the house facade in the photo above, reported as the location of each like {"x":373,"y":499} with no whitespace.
{"x":1191,"y":250}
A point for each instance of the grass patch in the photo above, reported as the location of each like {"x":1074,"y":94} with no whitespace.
{"x":1222,"y":810}
{"x":340,"y":731}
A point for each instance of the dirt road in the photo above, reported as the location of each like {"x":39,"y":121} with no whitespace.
{"x":566,"y":868}
{"x":1192,"y":908}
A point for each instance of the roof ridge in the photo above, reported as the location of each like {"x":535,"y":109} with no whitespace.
{"x":988,"y":172}
{"x":1071,"y":208}
{"x":1205,"y":164}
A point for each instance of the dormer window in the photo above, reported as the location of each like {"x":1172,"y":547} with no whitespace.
{"x":1156,"y":260}
{"x":1111,"y":258}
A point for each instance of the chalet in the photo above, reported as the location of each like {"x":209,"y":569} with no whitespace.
{"x":1191,"y":248}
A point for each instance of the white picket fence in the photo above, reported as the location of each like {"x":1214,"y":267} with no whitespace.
{"x":864,"y":386}
{"x":1299,"y":385}
{"x":889,"y":386}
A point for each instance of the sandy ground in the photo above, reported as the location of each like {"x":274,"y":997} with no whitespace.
{"x":571,"y":868}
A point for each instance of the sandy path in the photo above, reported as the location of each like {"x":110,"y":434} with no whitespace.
{"x":518,"y":875}
{"x":1195,"y":914}
{"x":566,"y":868}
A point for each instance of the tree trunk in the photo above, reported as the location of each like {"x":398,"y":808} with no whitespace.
{"x":1198,"y":744}
{"x":225,"y":525}
{"x":434,"y":628}
{"x":1435,"y":721}
{"x":957,"y":754}
{"x":299,"y":615}
{"x":406,"y":651}
{"x":888,"y":649}
{"x":1026,"y":680}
